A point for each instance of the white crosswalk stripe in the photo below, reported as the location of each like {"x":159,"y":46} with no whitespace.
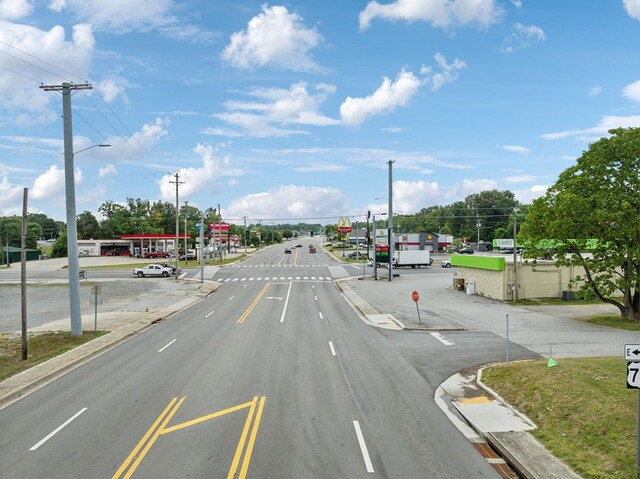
{"x":281,"y":278}
{"x":277,"y":266}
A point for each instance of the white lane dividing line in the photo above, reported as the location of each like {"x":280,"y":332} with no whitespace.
{"x":333,"y":351}
{"x":170,"y":343}
{"x":286,"y":303}
{"x":320,"y":315}
{"x":57,"y":430}
{"x":231,"y":298}
{"x":316,"y":298}
{"x":245,"y":286}
{"x":442,"y":339}
{"x":363,"y":447}
{"x":209,"y":314}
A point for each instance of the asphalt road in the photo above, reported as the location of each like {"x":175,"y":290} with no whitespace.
{"x":274,"y":376}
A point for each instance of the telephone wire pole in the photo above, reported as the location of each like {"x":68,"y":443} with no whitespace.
{"x":177,"y":183}
{"x":70,"y":190}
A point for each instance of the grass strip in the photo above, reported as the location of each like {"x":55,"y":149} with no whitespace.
{"x":40,"y":348}
{"x":585,"y":414}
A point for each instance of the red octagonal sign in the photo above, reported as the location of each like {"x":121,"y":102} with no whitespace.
{"x":415,"y":296}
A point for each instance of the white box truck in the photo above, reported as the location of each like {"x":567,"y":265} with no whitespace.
{"x":412,"y":258}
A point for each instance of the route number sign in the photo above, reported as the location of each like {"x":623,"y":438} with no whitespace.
{"x":633,"y":375}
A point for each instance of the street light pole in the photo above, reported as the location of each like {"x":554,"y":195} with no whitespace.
{"x":390,"y":219}
{"x":514,"y":294}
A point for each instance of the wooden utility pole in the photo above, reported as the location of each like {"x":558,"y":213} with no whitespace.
{"x":23,"y":274}
{"x":177,"y":247}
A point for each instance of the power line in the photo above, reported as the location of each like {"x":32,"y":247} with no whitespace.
{"x":21,"y":74}
{"x":42,"y":61}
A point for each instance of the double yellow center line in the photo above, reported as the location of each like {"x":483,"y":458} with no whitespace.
{"x":134,"y":459}
{"x":253,"y":305}
{"x":244,"y":450}
{"x":249,"y":430}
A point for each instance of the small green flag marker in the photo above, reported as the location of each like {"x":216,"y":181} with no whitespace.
{"x":552,"y":363}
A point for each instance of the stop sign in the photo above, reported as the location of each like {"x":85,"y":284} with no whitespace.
{"x":415,"y":296}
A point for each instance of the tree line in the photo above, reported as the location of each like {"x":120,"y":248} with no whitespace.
{"x":589,"y":218}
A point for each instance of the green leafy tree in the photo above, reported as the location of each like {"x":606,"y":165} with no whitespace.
{"x":491,"y":210}
{"x":592,"y":217}
{"x":59,"y":247}
{"x":11,"y":232}
{"x":163,"y":217}
{"x":50,"y":227}
{"x":88,"y":226}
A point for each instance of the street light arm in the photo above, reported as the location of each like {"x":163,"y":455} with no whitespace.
{"x":99,"y":145}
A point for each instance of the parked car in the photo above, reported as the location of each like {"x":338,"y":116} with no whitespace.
{"x":357,"y":254}
{"x":152,"y":270}
{"x":446,"y":263}
{"x":187,"y":257}
{"x":287,"y":251}
{"x":156,"y":254}
{"x":466,"y":251}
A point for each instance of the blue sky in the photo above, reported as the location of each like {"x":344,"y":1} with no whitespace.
{"x":291,"y":110}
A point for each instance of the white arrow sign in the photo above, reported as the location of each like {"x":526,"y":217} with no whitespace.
{"x":632,"y":352}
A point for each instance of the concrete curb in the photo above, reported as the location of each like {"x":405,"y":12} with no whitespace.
{"x":374,"y":317}
{"x":500,"y":399}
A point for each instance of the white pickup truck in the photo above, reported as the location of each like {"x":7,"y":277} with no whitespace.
{"x":152,"y":270}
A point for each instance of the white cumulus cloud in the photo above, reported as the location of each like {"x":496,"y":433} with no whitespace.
{"x":526,"y":196}
{"x":448,"y":72}
{"x":633,"y":8}
{"x":14,"y":9}
{"x":199,"y":178}
{"x":521,"y":37}
{"x":389,"y":96}
{"x":113,"y":87}
{"x":632,"y":91}
{"x":411,"y":196}
{"x":290,"y":202}
{"x":440,"y":13}
{"x":108,"y":170}
{"x":272,"y":111}
{"x":10,"y":195}
{"x":275,"y":38}
{"x":50,"y":184}
{"x":23,"y":97}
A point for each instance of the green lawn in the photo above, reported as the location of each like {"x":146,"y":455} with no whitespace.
{"x":39,"y":348}
{"x":585,"y":414}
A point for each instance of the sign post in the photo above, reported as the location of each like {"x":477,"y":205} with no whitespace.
{"x":96,"y":298}
{"x":632,"y":356}
{"x":344,"y":226}
{"x":416,"y":297}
